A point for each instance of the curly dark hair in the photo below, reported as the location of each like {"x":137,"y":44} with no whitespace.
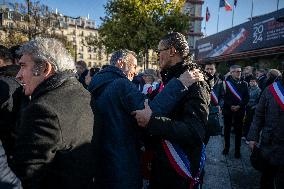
{"x":179,"y":42}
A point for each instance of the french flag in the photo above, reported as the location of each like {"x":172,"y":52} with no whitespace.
{"x":224,"y":3}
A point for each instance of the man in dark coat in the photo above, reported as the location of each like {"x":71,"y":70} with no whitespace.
{"x":267,"y":130}
{"x":184,"y":126}
{"x":217,"y":95}
{"x":116,"y":136}
{"x":236,"y":97}
{"x":53,"y":139}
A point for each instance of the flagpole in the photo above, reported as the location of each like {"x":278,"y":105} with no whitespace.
{"x":218,"y":19}
{"x":277,"y":4}
{"x":233,"y":15}
{"x":251,"y":9}
{"x":205,"y":28}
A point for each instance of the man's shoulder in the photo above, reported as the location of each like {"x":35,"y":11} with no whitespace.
{"x":69,"y":92}
{"x":123,"y":84}
{"x":199,"y":89}
{"x":201,"y":85}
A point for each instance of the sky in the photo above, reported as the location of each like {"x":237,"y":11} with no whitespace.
{"x":95,"y":10}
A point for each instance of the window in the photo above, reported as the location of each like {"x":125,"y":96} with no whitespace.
{"x":90,"y":56}
{"x":90,"y":64}
{"x":10,"y":15}
{"x":10,"y":25}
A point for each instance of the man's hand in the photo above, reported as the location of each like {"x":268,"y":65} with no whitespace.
{"x":219,"y":109}
{"x":252,"y":144}
{"x":189,"y":77}
{"x":143,"y":116}
{"x":235,"y":108}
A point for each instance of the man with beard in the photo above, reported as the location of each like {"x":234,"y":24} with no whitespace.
{"x":217,"y":94}
{"x":177,"y":136}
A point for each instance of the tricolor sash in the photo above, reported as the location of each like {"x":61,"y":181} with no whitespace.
{"x":214,"y":98}
{"x":162,"y":86}
{"x":181,"y":163}
{"x":233,"y":90}
{"x":277,"y":91}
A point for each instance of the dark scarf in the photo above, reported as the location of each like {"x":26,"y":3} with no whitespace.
{"x":173,"y":71}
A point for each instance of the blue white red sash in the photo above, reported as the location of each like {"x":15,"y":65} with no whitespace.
{"x":181,"y":163}
{"x":214,"y":98}
{"x":277,"y":91}
{"x":233,"y":90}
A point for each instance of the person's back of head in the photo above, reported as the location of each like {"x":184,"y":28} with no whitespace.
{"x":15,"y":56}
{"x":81,"y":66}
{"x":273,"y":75}
{"x":5,"y":56}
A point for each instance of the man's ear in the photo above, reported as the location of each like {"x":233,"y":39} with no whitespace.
{"x":173,"y":51}
{"x":49,"y":70}
{"x":119,"y":64}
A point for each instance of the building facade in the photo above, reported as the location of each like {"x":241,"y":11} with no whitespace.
{"x":194,"y":10}
{"x":77,"y":31}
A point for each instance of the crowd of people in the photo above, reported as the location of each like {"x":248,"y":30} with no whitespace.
{"x":64,"y":126}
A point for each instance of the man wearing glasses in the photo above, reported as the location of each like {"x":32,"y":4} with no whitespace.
{"x":177,"y":137}
{"x":235,"y":99}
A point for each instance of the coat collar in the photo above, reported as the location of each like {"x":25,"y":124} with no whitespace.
{"x":173,"y":71}
{"x":51,"y":83}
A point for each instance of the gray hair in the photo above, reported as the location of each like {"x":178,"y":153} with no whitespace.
{"x":122,"y":54}
{"x":274,"y":73}
{"x":235,"y":66}
{"x":48,"y":50}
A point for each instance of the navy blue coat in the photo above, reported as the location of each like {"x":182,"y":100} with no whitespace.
{"x":116,"y":138}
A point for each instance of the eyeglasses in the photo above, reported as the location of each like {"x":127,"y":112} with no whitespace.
{"x":160,"y":50}
{"x":237,"y":71}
